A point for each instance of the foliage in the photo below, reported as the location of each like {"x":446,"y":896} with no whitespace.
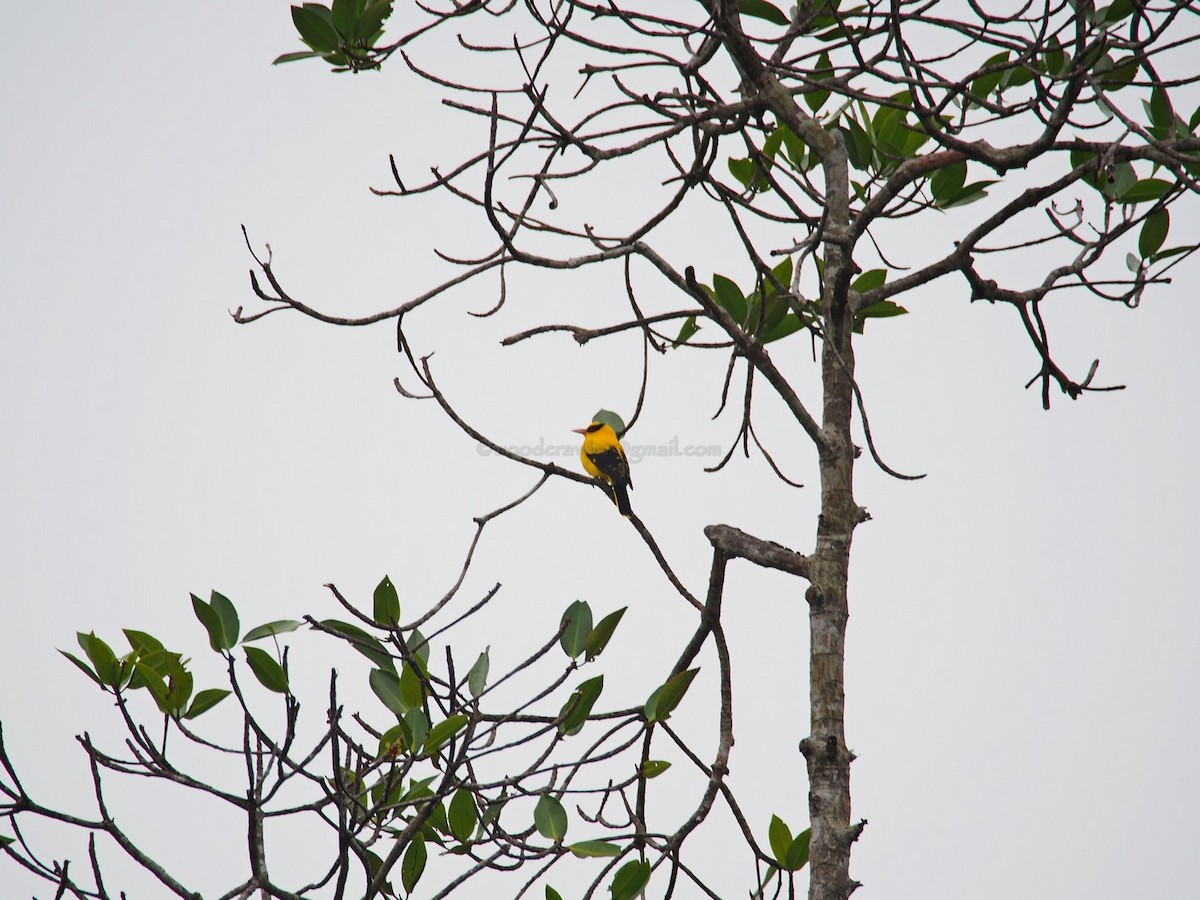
{"x":411,"y":773}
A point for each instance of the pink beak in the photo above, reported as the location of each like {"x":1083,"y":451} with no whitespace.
{"x":579,"y":430}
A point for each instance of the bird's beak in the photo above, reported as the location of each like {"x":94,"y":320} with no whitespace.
{"x":579,"y":430}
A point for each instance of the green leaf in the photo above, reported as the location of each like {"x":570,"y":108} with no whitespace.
{"x":730,"y":298}
{"x":576,"y":625}
{"x":389,"y":792}
{"x":374,"y":864}
{"x":438,"y":819}
{"x":663,"y":701}
{"x":205,"y":700}
{"x":268,"y":672}
{"x":780,"y":838}
{"x":1054,"y":61}
{"x":579,"y":706}
{"x":477,"y":677}
{"x":102,"y":658}
{"x":688,"y":329}
{"x":293,"y":57}
{"x":164,"y":662}
{"x":1085,"y":159}
{"x":344,"y":14}
{"x":984,"y":85}
{"x":611,"y":419}
{"x":815,"y":98}
{"x":387,"y":603}
{"x":630,"y":879}
{"x":418,"y":790}
{"x":883,"y":309}
{"x":794,"y":147}
{"x":321,"y":10}
{"x":947,"y":182}
{"x":362,"y":642}
{"x":1119,"y":180}
{"x":891,"y":136}
{"x":211,"y":621}
{"x":869,"y":280}
{"x":230,"y":626}
{"x":315,"y":30}
{"x":550,"y":818}
{"x":417,"y":725}
{"x":491,"y":812}
{"x":180,"y":684}
{"x":271,"y":629}
{"x":599,"y":636}
{"x":859,"y":145}
{"x":742,"y":169}
{"x":652,"y":768}
{"x":1154,"y":232}
{"x":418,"y":646}
{"x":771,"y":145}
{"x":585,"y":849}
{"x":749,"y":174}
{"x":797,"y":854}
{"x":156,"y":685}
{"x":760,"y":9}
{"x":551,"y":893}
{"x":413,"y":863}
{"x":412,"y":688}
{"x":791,"y":854}
{"x":783,"y":274}
{"x":976,"y":190}
{"x":441,"y":733}
{"x":370,"y":23}
{"x":83,"y":667}
{"x":914,"y":139}
{"x":1116,"y":74}
{"x":1146,"y":189}
{"x":826,"y":20}
{"x":1110,"y":15}
{"x":1174,"y":251}
{"x":142,"y":642}
{"x":776,"y":308}
{"x":1158,"y":111}
{"x":1017,"y":76}
{"x":789,"y":325}
{"x":463,"y":815}
{"x":386,"y":686}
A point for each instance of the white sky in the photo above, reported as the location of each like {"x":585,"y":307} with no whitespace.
{"x":1023,"y":677}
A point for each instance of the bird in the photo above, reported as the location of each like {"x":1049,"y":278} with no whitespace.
{"x":604,"y":459}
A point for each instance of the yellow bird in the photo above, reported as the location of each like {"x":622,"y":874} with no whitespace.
{"x":603,"y":458}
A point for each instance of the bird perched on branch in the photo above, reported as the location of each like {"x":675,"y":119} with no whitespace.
{"x":604,"y":459}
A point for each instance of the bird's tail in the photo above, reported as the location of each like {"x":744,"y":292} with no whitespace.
{"x":621,"y":498}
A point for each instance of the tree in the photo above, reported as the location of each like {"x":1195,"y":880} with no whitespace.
{"x":845,"y":123}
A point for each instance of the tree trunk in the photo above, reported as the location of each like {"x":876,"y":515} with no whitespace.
{"x":825,"y":748}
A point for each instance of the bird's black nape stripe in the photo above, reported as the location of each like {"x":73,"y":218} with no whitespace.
{"x":594,"y":427}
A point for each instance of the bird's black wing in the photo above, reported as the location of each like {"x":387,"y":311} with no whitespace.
{"x":613,"y":464}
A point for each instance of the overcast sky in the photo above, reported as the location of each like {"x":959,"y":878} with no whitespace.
{"x":1023,"y":676}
